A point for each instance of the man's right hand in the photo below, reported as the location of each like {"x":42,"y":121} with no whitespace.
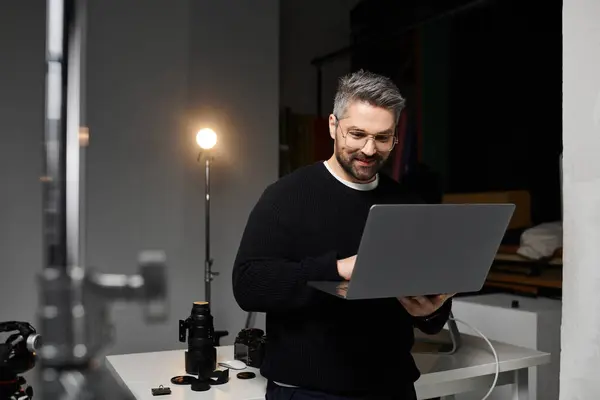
{"x":345,"y":267}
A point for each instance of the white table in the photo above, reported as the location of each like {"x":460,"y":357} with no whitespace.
{"x":471,"y":368}
{"x":534,"y":324}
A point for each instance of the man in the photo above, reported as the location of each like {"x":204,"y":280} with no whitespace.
{"x":307,"y":226}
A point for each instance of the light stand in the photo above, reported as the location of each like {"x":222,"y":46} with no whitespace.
{"x":250,"y":320}
{"x":207,"y":139}
{"x":74,"y":300}
{"x":208,"y":261}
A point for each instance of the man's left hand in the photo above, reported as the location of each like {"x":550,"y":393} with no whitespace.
{"x":421,"y":306}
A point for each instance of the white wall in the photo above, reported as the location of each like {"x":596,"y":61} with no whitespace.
{"x":580,"y":355}
{"x":157,"y":71}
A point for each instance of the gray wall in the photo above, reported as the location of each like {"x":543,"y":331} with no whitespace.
{"x":312,"y":28}
{"x":157,"y":71}
{"x":22,"y":30}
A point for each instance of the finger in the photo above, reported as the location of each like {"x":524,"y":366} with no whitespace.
{"x":448,"y":296}
{"x":439,"y":300}
{"x":407,"y":301}
{"x":410,"y":305}
{"x":426,"y":305}
{"x":423,"y":301}
{"x":410,"y":299}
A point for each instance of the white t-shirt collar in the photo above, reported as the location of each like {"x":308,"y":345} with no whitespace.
{"x":357,"y":186}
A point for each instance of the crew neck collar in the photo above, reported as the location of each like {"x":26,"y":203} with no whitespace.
{"x":356,"y":186}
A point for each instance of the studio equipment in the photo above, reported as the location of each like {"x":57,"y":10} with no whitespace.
{"x":249,"y":347}
{"x":206,"y":139}
{"x":75,"y":300}
{"x":201,"y":355}
{"x":17,"y":356}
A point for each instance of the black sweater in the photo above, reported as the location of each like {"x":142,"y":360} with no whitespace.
{"x":300,"y":227}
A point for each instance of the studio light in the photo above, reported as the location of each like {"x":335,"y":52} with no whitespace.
{"x":206,"y":138}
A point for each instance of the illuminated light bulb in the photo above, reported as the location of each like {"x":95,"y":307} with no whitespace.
{"x":206,"y":138}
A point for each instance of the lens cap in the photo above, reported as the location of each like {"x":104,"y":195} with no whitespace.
{"x":246,"y":375}
{"x":200,"y":386}
{"x":182,"y":380}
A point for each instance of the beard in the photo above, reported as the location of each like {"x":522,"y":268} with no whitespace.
{"x":361,"y":167}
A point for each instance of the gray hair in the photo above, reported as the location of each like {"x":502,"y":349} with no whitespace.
{"x":374,"y":89}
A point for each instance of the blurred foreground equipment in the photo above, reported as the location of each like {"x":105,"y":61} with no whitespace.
{"x":74,"y":300}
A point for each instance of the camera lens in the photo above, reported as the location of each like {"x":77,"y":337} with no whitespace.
{"x":34,"y":342}
{"x":201,"y":331}
{"x":201,"y":357}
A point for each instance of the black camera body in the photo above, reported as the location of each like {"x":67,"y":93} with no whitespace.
{"x":249,"y":347}
{"x":201,"y":356}
{"x":17,"y":355}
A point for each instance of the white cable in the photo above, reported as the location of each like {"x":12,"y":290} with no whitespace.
{"x":493,"y":352}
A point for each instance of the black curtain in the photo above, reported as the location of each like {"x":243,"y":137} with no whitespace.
{"x":504,"y":97}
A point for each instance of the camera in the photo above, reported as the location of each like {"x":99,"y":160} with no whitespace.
{"x":249,"y":346}
{"x":17,"y":355}
{"x":201,"y":355}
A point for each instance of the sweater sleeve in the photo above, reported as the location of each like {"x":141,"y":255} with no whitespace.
{"x":265,"y":279}
{"x":434,"y":323}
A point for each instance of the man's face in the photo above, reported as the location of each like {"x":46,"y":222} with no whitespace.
{"x":360,"y":139}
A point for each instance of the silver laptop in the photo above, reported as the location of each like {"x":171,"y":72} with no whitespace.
{"x":424,"y":249}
